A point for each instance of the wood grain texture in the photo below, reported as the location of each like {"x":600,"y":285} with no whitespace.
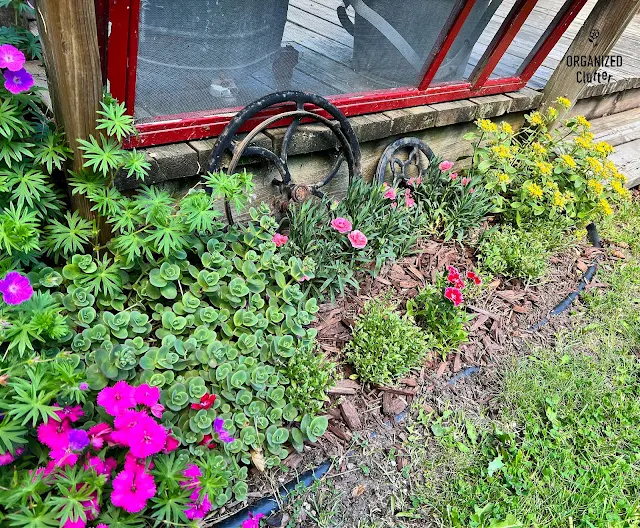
{"x":609,"y":18}
{"x":70,"y":49}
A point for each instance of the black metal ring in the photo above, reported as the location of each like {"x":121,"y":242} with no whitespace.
{"x":389,"y":159}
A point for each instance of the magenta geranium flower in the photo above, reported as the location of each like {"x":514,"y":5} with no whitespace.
{"x":454,"y":295}
{"x":253,"y":521}
{"x":223,"y":435}
{"x":117,"y":399}
{"x":11,"y":58}
{"x":132,"y":490}
{"x":358,"y":239}
{"x":446,"y":165}
{"x":18,"y":81}
{"x":341,"y":225}
{"x":15,"y":288}
{"x":279,"y":240}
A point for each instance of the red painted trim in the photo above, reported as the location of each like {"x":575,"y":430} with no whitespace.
{"x":121,"y":61}
{"x":192,"y":127}
{"x":102,"y":23}
{"x":501,"y":41}
{"x":118,"y":49}
{"x":550,"y":38}
{"x":446,"y":39}
{"x":132,"y":66}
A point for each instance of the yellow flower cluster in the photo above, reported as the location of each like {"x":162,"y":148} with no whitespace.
{"x":545,"y":168}
{"x":506,"y":127}
{"x":606,"y":208}
{"x":553,"y":113}
{"x":581,"y":234}
{"x":501,"y":151}
{"x":558,"y":199}
{"x":582,"y":121}
{"x":535,"y":190}
{"x":564,"y":102}
{"x":504,"y":178}
{"x":536,"y":119}
{"x":595,"y":164}
{"x":616,"y":185}
{"x":486,"y":125}
{"x":595,"y":186}
{"x":568,"y":160}
{"x":539,"y":149}
{"x":603,"y":148}
{"x":583,"y":142}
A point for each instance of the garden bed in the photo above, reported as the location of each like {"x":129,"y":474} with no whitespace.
{"x":367,"y":422}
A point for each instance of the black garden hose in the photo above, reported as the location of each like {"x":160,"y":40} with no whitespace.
{"x":270,"y":504}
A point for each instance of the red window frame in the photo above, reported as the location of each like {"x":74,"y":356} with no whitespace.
{"x":118,"y":24}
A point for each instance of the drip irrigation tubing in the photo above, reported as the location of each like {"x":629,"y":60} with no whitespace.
{"x":271,"y":503}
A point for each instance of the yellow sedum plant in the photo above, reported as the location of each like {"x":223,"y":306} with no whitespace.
{"x":548,"y":168}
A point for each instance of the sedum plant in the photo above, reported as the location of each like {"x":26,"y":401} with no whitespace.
{"x":385,"y":345}
{"x":550,"y":169}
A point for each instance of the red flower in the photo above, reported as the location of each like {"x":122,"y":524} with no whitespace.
{"x":472,"y":276}
{"x":454,"y":295}
{"x":206,"y":402}
{"x":207,"y":441}
{"x":454,"y":274}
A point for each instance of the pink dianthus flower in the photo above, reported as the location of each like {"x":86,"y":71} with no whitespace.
{"x":54,"y":434}
{"x":117,"y":399}
{"x":199,"y":508}
{"x":146,"y":438}
{"x":279,"y":240}
{"x":146,"y":395}
{"x":341,"y":225}
{"x":358,"y":239}
{"x":132,"y":490}
{"x":446,"y":165}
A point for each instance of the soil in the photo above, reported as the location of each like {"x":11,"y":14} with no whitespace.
{"x":366,"y":434}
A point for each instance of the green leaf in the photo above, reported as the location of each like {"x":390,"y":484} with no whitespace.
{"x":495,"y":465}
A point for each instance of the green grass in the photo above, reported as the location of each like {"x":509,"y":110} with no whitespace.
{"x":564,"y":449}
{"x":624,"y":226}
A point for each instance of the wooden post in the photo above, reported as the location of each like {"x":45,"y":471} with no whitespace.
{"x":596,"y":38}
{"x":70,"y":49}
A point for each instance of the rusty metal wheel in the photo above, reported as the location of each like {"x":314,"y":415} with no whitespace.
{"x":294,"y":107}
{"x":399,"y":166}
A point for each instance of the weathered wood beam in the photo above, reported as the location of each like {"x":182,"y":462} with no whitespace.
{"x":70,"y":49}
{"x":596,"y":38}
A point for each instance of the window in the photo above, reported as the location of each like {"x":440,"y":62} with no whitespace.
{"x":184,"y":67}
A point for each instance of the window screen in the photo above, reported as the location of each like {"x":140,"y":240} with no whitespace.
{"x":204,"y":55}
{"x":474,"y":38}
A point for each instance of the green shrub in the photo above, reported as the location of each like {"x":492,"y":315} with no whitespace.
{"x":386,"y":345}
{"x":308,"y":375}
{"x":439,"y":316}
{"x":513,"y":252}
